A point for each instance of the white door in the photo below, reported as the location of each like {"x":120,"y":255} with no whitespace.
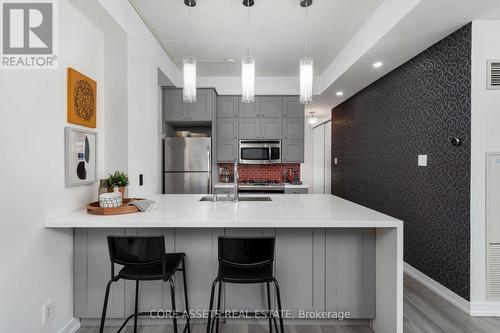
{"x":318,"y":160}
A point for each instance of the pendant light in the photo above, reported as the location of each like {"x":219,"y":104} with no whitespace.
{"x":248,"y":65}
{"x":306,"y":67}
{"x":189,"y":64}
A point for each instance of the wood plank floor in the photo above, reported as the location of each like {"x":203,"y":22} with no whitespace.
{"x":424,"y":312}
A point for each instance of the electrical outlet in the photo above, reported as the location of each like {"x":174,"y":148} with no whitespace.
{"x":47,"y":311}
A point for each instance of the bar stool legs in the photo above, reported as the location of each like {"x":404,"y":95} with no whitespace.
{"x":105,"y":306}
{"x":215,"y":321}
{"x":278,"y":296}
{"x":188,"y":315}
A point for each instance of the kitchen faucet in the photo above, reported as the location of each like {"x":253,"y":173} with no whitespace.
{"x":236,"y":178}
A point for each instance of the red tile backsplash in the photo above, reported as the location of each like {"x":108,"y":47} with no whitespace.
{"x":273,"y":172}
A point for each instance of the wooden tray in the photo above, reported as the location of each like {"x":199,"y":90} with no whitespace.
{"x":94,"y":209}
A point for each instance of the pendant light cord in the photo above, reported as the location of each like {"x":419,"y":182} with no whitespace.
{"x":307,"y":24}
{"x":248,"y":31}
{"x":189,"y":30}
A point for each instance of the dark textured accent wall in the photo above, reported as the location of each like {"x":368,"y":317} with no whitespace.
{"x":377,"y":135}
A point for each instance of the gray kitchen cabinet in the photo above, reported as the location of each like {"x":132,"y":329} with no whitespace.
{"x":249,"y":128}
{"x":292,"y":151}
{"x":300,"y":269}
{"x":92,"y":273}
{"x":227,"y":106}
{"x":292,"y":107}
{"x":350,"y":272}
{"x":200,"y":247}
{"x":227,"y":128}
{"x":296,"y":190}
{"x":270,"y":128}
{"x":271,"y":106}
{"x":293,"y":128}
{"x":249,"y":110}
{"x":227,"y":150}
{"x":174,"y":109}
{"x":248,"y":297}
{"x":203,"y":109}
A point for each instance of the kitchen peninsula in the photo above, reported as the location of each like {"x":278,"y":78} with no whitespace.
{"x":331,"y":255}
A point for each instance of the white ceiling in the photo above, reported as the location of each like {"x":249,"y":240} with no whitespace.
{"x":277,"y":32}
{"x":427,"y":23}
{"x":345,"y":38}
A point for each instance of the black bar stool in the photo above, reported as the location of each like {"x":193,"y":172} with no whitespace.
{"x":244,"y":260}
{"x":144,"y":259}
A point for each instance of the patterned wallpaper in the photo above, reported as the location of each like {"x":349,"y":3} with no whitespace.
{"x":377,"y":135}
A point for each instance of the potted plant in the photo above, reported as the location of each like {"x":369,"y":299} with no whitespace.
{"x":118,"y":179}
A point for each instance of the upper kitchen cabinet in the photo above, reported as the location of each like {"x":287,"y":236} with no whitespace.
{"x":271,"y":106}
{"x":175,"y":110}
{"x":292,"y":151}
{"x":270,"y":128}
{"x":293,"y":128}
{"x":227,"y":106}
{"x":203,"y":109}
{"x":227,"y":128}
{"x":249,"y":110}
{"x":292,"y":107}
{"x":249,"y":128}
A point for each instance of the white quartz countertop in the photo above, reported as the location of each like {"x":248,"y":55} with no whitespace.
{"x":287,"y":185}
{"x":284,"y":211}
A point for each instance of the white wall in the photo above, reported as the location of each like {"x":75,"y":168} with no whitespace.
{"x":37,"y":263}
{"x":485,"y":132}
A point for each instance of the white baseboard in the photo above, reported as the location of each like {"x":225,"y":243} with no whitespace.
{"x":71,"y":327}
{"x":439,"y":289}
{"x":485,"y":309}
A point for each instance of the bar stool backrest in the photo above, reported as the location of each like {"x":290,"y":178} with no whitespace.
{"x":136,"y":250}
{"x":246,"y":251}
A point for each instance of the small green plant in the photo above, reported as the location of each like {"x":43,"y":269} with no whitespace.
{"x":119,"y":179}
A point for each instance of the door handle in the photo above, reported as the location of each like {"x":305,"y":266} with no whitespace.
{"x":209,"y":181}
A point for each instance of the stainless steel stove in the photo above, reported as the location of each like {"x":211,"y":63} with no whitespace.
{"x":261,"y":186}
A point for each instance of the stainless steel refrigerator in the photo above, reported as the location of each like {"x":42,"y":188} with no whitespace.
{"x":187,"y":165}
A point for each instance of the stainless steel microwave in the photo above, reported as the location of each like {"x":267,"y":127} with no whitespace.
{"x":260,"y":151}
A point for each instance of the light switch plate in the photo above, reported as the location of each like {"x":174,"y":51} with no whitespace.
{"x":335,"y":161}
{"x":422,"y":160}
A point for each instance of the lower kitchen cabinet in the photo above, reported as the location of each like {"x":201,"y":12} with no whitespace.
{"x":317,"y":269}
{"x":292,"y":151}
{"x":227,"y":150}
{"x":249,"y":297}
{"x":350,"y":272}
{"x":300,"y":269}
{"x":296,"y":190}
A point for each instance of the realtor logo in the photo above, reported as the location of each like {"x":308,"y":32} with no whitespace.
{"x":28,"y":34}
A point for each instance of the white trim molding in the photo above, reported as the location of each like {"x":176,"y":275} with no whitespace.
{"x":439,"y":289}
{"x":485,"y":309}
{"x":71,"y":327}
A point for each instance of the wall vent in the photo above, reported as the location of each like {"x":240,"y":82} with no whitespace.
{"x":494,"y":272}
{"x":494,"y":74}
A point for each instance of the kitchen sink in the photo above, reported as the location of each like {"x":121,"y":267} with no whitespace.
{"x":255,"y":199}
{"x":226,"y":199}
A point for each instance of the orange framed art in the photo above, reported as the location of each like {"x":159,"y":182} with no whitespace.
{"x":82,"y":99}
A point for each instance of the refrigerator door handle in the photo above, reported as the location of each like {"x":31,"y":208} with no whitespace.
{"x":209,"y":173}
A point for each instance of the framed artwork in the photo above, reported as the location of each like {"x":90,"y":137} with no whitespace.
{"x":81,"y":99}
{"x":80,"y":156}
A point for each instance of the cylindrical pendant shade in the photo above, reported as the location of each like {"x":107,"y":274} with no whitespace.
{"x":248,"y":80}
{"x":306,"y":80}
{"x":189,"y":72}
